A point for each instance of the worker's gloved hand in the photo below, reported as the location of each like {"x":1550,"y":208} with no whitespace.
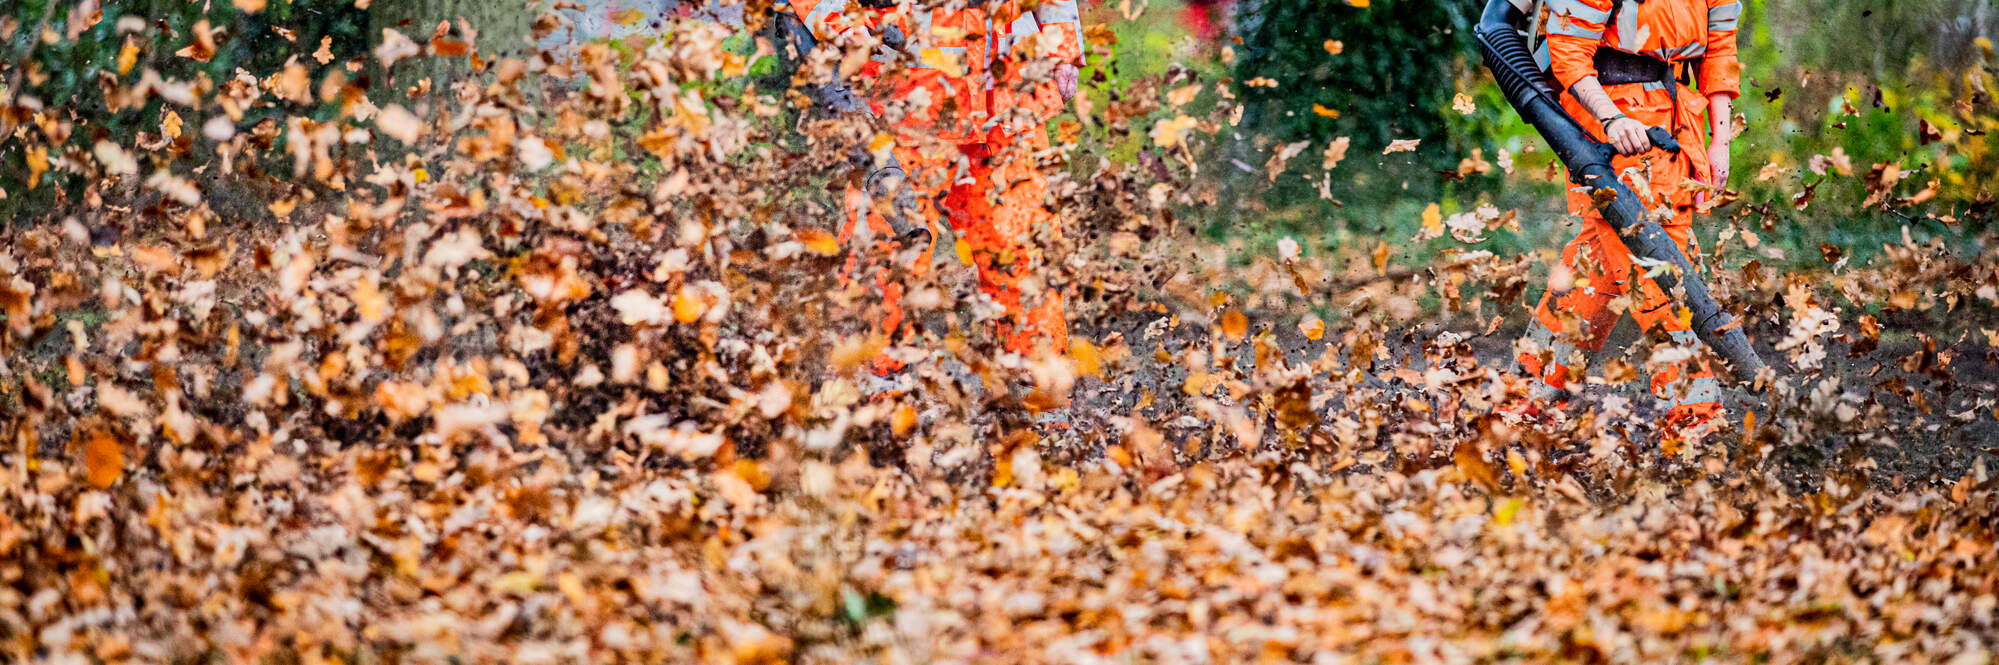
{"x":916,"y":239}
{"x":903,"y":213}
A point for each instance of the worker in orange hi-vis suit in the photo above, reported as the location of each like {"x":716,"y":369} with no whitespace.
{"x":999,"y":209}
{"x":969,"y":109}
{"x":935,"y":101}
{"x":1623,"y":68}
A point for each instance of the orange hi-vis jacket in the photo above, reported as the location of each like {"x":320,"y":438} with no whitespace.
{"x":1052,"y":32}
{"x":967,"y":62}
{"x":944,"y":87}
{"x":1696,"y":34}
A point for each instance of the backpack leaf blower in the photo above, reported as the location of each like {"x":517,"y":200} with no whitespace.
{"x":1502,"y":40}
{"x":884,"y":181}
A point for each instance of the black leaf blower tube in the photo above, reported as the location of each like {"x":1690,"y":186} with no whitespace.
{"x":1533,"y":95}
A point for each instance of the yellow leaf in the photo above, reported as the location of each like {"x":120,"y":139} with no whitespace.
{"x":1171,"y":133}
{"x":628,"y":17}
{"x":854,"y":351}
{"x":1002,"y":470}
{"x":688,"y":305}
{"x":1358,"y":3}
{"x":1089,"y":361}
{"x":1322,"y":110}
{"x":949,"y":63}
{"x":519,"y":582}
{"x":819,"y":242}
{"x":38,"y":163}
{"x":1335,"y":46}
{"x":128,"y":56}
{"x":1507,"y":511}
{"x":904,"y":420}
{"x":1433,"y":221}
{"x":963,"y":250}
{"x":1183,"y":95}
{"x":1195,"y":381}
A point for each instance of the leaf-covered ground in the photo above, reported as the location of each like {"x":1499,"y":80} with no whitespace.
{"x":557,"y":366}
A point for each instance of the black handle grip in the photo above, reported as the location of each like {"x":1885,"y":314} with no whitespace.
{"x":1664,"y":139}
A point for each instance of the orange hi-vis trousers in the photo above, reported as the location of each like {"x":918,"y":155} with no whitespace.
{"x":995,"y":206}
{"x":1602,"y":270}
{"x":993,"y":199}
{"x":997,"y":210}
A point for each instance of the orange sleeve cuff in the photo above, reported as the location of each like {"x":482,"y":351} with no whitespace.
{"x":1721,"y":75}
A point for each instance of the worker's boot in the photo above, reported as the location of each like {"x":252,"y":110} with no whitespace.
{"x":1549,"y":397}
{"x":1546,"y":406}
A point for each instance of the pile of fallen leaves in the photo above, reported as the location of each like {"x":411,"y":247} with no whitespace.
{"x":565,"y":364}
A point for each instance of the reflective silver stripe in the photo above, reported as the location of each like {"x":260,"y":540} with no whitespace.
{"x":1694,"y":50}
{"x":1703,"y":390}
{"x":1545,"y":338}
{"x":1058,"y":11}
{"x":1052,"y":12}
{"x":1724,"y":17}
{"x":1627,"y":25}
{"x":1019,"y":29}
{"x":1540,"y":334}
{"x":819,"y":13}
{"x":1653,"y":86}
{"x":1579,"y":10}
{"x":1023,"y":26}
{"x":1568,"y":28}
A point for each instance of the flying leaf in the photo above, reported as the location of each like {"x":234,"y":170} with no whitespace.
{"x":1401,"y":145}
{"x":103,"y":459}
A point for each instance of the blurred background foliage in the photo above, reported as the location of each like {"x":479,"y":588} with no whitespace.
{"x":1832,"y":89}
{"x":63,"y":56}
